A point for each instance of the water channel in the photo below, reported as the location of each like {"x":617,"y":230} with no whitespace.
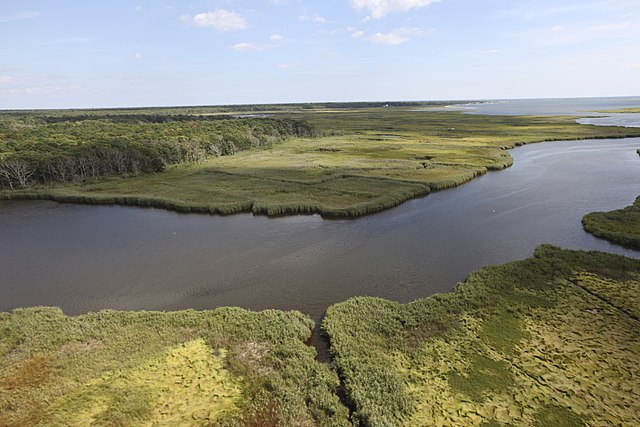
{"x":86,"y":258}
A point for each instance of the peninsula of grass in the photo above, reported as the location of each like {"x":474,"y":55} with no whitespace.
{"x":548,"y":341}
{"x":361,"y":160}
{"x":620,"y":226}
{"x":622,"y":110}
{"x":226,"y":367}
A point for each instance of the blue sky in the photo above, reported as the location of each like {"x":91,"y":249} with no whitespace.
{"x":61,"y":54}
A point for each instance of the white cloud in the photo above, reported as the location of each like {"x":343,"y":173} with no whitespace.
{"x":5,"y":79}
{"x":137,"y":56}
{"x":381,"y":8}
{"x":220,"y":20}
{"x":388,"y":38}
{"x":246,"y":47}
{"x":287,"y":66}
{"x":276,"y":40}
{"x":395,"y":37}
{"x":19,"y":16}
{"x":243,"y":47}
{"x":492,"y":51}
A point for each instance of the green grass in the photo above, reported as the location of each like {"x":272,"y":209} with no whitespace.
{"x":622,"y":110}
{"x":223,"y":367}
{"x":552,"y":340}
{"x":619,"y":226}
{"x":366,"y":160}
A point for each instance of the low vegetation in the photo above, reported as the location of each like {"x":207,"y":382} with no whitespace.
{"x":360,"y":160}
{"x":619,"y":226}
{"x":552,"y":340}
{"x":622,"y":110}
{"x":225,"y":367}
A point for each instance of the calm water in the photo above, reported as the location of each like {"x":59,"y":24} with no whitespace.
{"x":563,"y":107}
{"x":84,"y":258}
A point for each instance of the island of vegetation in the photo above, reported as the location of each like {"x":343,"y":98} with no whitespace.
{"x":549,"y":341}
{"x":334,"y":159}
{"x":620,"y":226}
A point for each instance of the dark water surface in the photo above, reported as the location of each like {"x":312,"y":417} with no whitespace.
{"x":85,"y":258}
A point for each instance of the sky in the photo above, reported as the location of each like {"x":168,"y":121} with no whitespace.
{"x":116,"y":53}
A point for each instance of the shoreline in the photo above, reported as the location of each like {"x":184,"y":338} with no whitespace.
{"x":374,"y":206}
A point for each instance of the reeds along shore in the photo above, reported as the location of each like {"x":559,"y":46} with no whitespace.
{"x":619,"y":226}
{"x":338,"y":163}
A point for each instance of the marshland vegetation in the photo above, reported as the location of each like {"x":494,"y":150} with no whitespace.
{"x":223,"y":367}
{"x":622,"y":110}
{"x":336,"y":160}
{"x":551,"y":340}
{"x":621,"y":226}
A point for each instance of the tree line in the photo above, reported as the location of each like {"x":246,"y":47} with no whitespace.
{"x":41,"y":150}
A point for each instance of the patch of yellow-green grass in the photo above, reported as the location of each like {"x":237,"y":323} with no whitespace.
{"x":620,"y":226}
{"x":186,"y":385}
{"x":364,"y":161}
{"x":623,"y":293}
{"x":622,"y":110}
{"x":544,"y":340}
{"x":227,"y":367}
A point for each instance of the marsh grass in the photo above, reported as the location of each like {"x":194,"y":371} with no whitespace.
{"x":221,"y":367}
{"x":364,"y":160}
{"x":619,"y":226}
{"x":548,"y":339}
{"x":622,"y":110}
{"x":483,"y":376}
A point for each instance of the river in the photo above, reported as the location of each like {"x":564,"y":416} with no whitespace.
{"x":86,"y":258}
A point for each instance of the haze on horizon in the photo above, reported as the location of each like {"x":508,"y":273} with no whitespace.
{"x":78,"y":54}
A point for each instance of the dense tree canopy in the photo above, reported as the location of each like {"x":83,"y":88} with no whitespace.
{"x":41,"y":149}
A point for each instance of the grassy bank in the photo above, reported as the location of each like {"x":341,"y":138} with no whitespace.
{"x":620,"y":226}
{"x":365,"y":160}
{"x":553,"y":340}
{"x":224,"y":367}
{"x":622,"y":110}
